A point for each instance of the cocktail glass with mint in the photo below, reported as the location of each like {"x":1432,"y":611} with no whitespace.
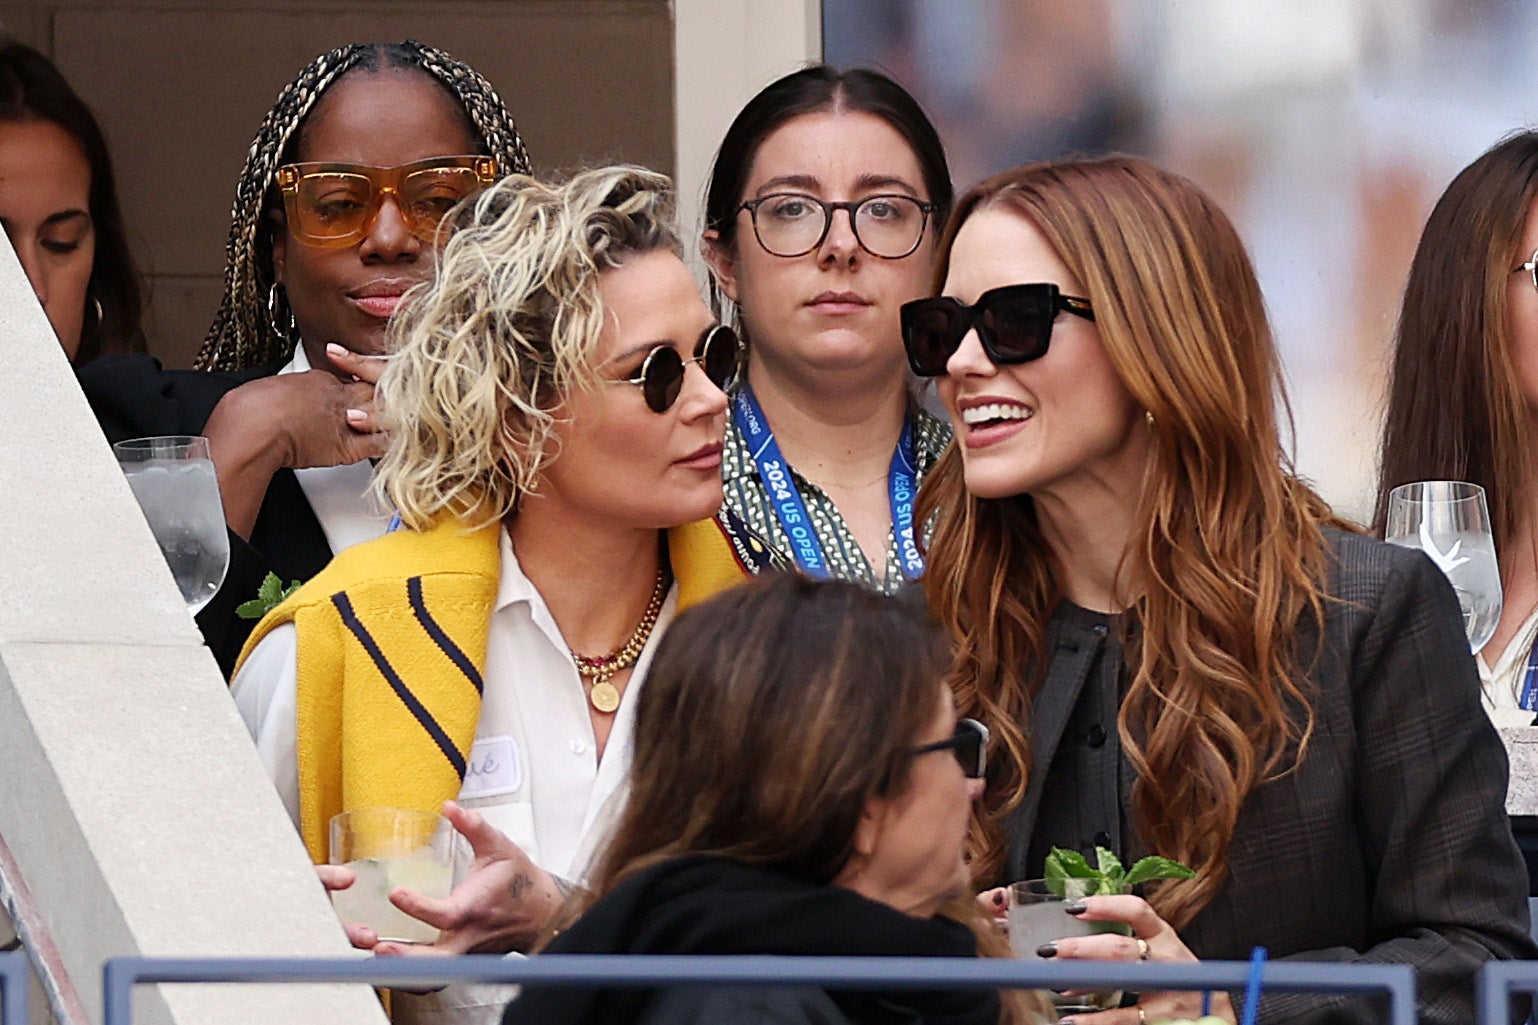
{"x":1036,"y":916}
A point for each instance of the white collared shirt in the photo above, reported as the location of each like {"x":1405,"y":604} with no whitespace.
{"x":1502,"y":682}
{"x":340,"y":495}
{"x":534,"y":769}
{"x":535,"y":774}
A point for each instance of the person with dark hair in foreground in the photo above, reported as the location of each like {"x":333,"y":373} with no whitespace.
{"x":801,"y":785}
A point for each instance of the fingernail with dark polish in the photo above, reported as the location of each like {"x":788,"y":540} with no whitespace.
{"x":1075,"y":907}
{"x":1047,"y":950}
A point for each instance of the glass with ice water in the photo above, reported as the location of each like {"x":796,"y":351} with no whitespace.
{"x":1036,"y":917}
{"x":387,"y":848}
{"x":1449,"y":521}
{"x":174,"y":481}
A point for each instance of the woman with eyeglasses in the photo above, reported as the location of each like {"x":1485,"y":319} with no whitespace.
{"x":59,"y":209}
{"x":846,"y":838}
{"x":1179,"y":648}
{"x":1463,"y":389}
{"x":555,"y":416}
{"x":819,"y":223}
{"x":334,"y":221}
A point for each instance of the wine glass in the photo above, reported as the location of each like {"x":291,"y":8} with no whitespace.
{"x":1449,"y":521}
{"x":173,"y":479}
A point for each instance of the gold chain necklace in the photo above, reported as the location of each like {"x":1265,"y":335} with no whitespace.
{"x":602,"y":694}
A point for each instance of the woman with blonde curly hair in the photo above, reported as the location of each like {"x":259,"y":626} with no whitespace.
{"x":555,"y":416}
{"x":1181,"y":650}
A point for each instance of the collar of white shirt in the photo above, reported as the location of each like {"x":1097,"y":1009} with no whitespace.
{"x":340,"y":495}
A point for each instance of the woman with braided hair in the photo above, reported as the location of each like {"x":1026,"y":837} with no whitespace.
{"x":334,"y":221}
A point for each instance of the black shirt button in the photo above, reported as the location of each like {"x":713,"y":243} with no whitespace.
{"x":1103,"y":839}
{"x":1096,"y":735}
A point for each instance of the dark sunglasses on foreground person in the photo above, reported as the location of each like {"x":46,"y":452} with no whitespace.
{"x":1014,"y":325}
{"x":661,"y":375}
{"x":333,"y":204}
{"x":969,"y":744}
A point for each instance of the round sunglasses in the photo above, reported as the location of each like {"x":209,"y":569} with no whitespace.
{"x":661,"y":377}
{"x":1014,"y":325}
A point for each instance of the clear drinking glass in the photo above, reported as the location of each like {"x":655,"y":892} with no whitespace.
{"x":387,"y":848}
{"x":1036,"y":916}
{"x":1449,"y":521}
{"x":173,"y":479}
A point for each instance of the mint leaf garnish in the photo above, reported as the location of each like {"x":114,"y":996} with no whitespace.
{"x":1107,"y":876}
{"x":1110,"y":869}
{"x":268,"y":597}
{"x":1155,"y":867}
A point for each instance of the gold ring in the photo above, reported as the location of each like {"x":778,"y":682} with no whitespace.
{"x":1142,"y":953}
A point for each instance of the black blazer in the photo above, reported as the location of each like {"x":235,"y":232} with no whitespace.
{"x":1389,"y":843}
{"x":133,"y":397}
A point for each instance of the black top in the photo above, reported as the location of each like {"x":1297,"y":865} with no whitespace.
{"x":133,"y":397}
{"x":1390,"y":841}
{"x":714,"y":906}
{"x":1081,"y":804}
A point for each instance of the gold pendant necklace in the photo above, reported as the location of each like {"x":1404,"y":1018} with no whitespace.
{"x":602,"y":694}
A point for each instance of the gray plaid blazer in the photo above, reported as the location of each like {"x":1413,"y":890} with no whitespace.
{"x":1390,"y":843}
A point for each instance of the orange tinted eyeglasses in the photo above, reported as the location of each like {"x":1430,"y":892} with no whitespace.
{"x":334,"y":204}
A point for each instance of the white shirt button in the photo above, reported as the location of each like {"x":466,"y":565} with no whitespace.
{"x":578,"y":746}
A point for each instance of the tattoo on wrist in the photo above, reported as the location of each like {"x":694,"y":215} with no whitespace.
{"x":520,"y":885}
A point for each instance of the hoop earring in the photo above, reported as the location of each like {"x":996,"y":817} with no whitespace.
{"x":285,"y":331}
{"x":96,"y":305}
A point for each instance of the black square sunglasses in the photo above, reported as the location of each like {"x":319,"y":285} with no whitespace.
{"x":1014,"y":324}
{"x":969,"y":744}
{"x":661,"y":377}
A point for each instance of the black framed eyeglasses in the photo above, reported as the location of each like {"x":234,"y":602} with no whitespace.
{"x":661,"y":377}
{"x":969,"y":744}
{"x":794,"y":224}
{"x":1014,"y":325}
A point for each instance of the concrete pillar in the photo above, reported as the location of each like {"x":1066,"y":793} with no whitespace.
{"x":724,"y":51}
{"x":134,"y":815}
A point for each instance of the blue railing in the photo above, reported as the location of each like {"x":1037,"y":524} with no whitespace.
{"x":1398,"y":981}
{"x":13,"y":989}
{"x":1497,"y":982}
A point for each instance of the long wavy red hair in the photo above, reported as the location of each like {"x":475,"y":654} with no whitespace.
{"x":1227,"y":549}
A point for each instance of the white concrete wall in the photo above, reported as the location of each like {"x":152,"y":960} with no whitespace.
{"x":724,"y":51}
{"x":134,"y":815}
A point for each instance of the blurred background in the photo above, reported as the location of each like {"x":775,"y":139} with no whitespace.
{"x":1325,"y":128}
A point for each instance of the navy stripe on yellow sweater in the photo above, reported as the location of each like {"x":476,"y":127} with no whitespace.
{"x":443,"y":640}
{"x":423,"y":716}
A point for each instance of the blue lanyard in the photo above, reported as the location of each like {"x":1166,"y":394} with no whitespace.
{"x":790,"y":509}
{"x":1529,"y":700}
